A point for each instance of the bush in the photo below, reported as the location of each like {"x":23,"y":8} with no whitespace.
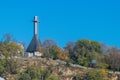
{"x":34,"y":72}
{"x":1,"y":70}
{"x":53,"y":78}
{"x":46,"y":73}
{"x":102,"y":65}
{"x":2,"y":66}
{"x":25,"y":76}
{"x":94,"y":75}
{"x":97,"y":75}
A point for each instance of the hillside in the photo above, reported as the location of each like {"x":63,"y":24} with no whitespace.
{"x":59,"y":68}
{"x":82,"y":60}
{"x":55,"y":67}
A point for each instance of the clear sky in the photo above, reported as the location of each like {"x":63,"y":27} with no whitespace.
{"x":62,"y":20}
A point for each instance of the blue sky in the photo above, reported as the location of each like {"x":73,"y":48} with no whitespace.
{"x":62,"y":20}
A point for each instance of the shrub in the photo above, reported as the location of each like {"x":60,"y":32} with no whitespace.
{"x":94,"y":75}
{"x":53,"y":78}
{"x":25,"y":76}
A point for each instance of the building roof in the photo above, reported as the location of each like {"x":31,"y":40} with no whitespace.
{"x":34,"y":45}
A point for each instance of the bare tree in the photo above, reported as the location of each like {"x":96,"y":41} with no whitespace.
{"x":114,"y":58}
{"x":70,"y":46}
{"x":7,"y":37}
{"x":105,"y":48}
{"x":48,"y":43}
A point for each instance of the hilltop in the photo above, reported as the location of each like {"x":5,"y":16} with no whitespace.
{"x":80,"y":60}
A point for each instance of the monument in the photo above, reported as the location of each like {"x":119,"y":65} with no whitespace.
{"x":35,"y":44}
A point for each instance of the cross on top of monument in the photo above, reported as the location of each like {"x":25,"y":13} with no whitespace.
{"x":36,"y":19}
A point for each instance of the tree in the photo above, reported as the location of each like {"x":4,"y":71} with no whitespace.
{"x":10,"y":48}
{"x":55,"y":51}
{"x":52,"y":52}
{"x":114,"y":58}
{"x":83,"y":47}
{"x":49,"y":43}
{"x":70,"y":46}
{"x":104,"y":48}
{"x":64,"y":55}
{"x":83,"y":61}
{"x":7,"y":37}
{"x":85,"y":51}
